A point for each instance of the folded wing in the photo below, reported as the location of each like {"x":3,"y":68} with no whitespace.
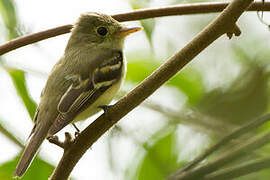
{"x":84,"y":92}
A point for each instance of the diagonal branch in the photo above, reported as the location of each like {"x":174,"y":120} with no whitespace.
{"x":239,"y":170}
{"x":196,"y":8}
{"x":225,"y":159}
{"x":236,"y":133}
{"x":224,"y":23}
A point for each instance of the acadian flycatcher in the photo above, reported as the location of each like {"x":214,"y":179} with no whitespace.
{"x":86,"y":78}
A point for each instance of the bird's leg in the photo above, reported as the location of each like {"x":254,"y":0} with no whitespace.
{"x":105,"y":108}
{"x":77,"y":129}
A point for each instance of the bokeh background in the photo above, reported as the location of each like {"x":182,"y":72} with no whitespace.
{"x":221,"y":89}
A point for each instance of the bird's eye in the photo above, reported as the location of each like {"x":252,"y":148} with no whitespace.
{"x":102,"y":31}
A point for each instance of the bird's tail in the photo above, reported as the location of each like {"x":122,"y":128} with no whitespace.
{"x":31,"y":149}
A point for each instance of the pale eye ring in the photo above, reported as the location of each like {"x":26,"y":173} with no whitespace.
{"x":102,"y":31}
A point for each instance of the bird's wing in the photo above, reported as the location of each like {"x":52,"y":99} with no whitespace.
{"x":84,"y":92}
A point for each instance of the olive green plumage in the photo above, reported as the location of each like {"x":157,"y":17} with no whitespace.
{"x":87,"y":76}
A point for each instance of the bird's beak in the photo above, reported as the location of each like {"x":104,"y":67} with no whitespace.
{"x":126,"y":31}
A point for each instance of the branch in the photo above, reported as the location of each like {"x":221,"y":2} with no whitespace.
{"x":196,"y":8}
{"x":240,"y":170}
{"x":227,"y":158}
{"x":66,"y":144}
{"x":223,"y":24}
{"x":32,"y":38}
{"x":235,"y":134}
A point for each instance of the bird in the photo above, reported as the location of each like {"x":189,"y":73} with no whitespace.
{"x":84,"y":80}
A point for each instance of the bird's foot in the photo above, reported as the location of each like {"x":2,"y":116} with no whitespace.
{"x":77,"y":130}
{"x":105,"y":109}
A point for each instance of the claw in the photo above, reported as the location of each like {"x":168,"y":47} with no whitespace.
{"x":77,"y":129}
{"x":105,"y":109}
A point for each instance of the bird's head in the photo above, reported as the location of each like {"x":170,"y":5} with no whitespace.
{"x":100,"y":30}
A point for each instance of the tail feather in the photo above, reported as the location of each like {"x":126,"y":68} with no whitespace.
{"x":31,"y":149}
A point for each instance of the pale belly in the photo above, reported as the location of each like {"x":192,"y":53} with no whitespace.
{"x":104,"y":99}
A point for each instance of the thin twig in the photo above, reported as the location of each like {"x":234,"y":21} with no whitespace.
{"x":65,"y":145}
{"x":240,"y":170}
{"x":225,"y":159}
{"x":55,"y":140}
{"x":9,"y":135}
{"x":196,"y":8}
{"x":223,"y":23}
{"x":32,"y":38}
{"x":235,"y":134}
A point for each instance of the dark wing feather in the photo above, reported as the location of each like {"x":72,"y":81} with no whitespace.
{"x":72,"y":94}
{"x":82,"y":103}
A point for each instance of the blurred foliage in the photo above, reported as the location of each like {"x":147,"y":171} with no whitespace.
{"x":148,"y":24}
{"x":9,"y":16}
{"x":192,"y":1}
{"x":148,"y":27}
{"x":159,"y":161}
{"x":189,"y":81}
{"x":18,"y":78}
{"x":246,"y":97}
{"x":160,"y":158}
{"x":8,"y":13}
{"x":11,"y":136}
{"x":39,"y":169}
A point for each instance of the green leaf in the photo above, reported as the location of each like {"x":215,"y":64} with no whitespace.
{"x":160,"y":159}
{"x":148,"y":27}
{"x":192,"y":1}
{"x":139,"y":4}
{"x":9,"y":134}
{"x":160,"y":156}
{"x":144,"y":67}
{"x":39,"y":169}
{"x":148,"y":24}
{"x":8,"y":13}
{"x":189,"y":81}
{"x":18,"y":78}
